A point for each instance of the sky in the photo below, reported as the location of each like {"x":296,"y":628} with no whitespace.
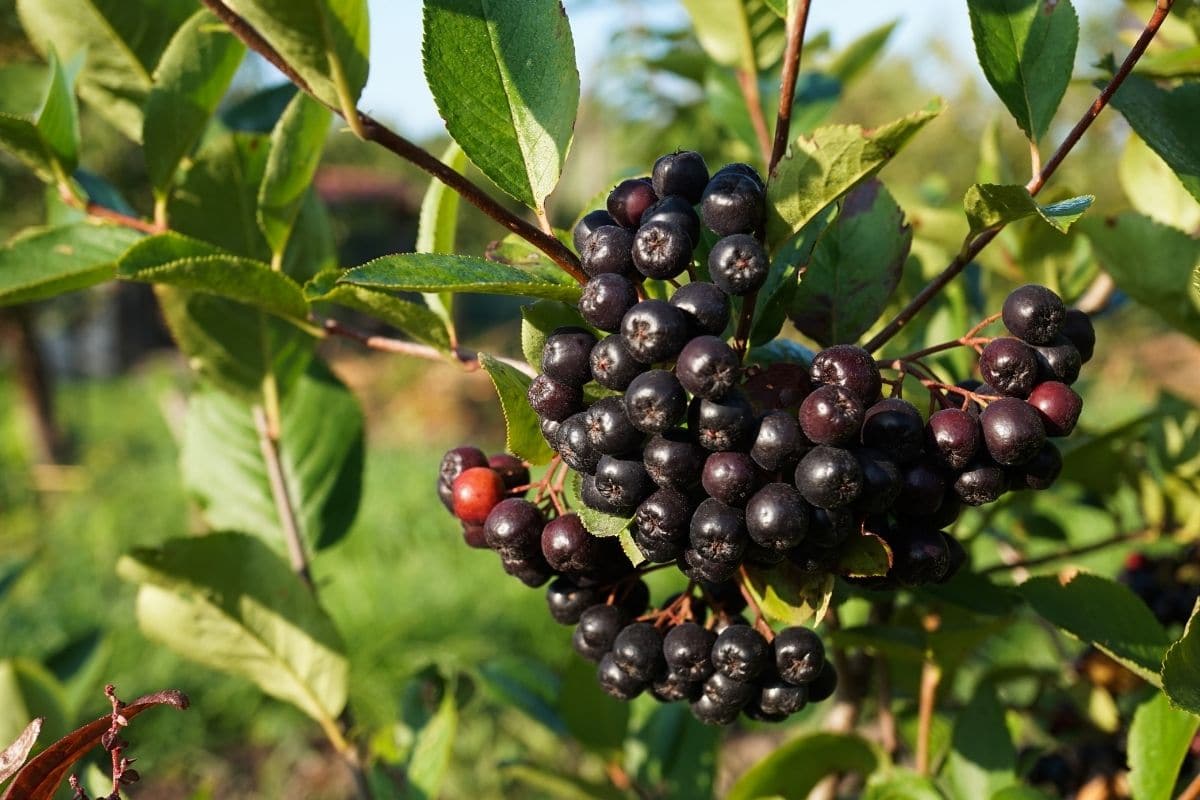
{"x":397,"y":93}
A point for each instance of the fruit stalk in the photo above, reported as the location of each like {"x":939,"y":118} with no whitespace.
{"x":796,"y":24}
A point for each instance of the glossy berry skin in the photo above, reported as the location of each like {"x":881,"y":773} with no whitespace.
{"x":738,"y":264}
{"x":708,"y":367}
{"x":922,"y":489}
{"x":591,"y":496}
{"x":683,"y":173}
{"x":533,"y":571}
{"x":1034,"y":314}
{"x":513,"y":470}
{"x":1040,"y":472}
{"x":799,"y":655}
{"x":565,"y":355}
{"x":454,"y":463}
{"x":663,"y":517}
{"x":567,"y":600}
{"x":894,"y":426}
{"x":608,"y":249}
{"x":473,"y":536}
{"x":779,"y":443}
{"x":824,"y":685}
{"x":831,"y":415}
{"x":732,"y":203}
{"x":718,"y":532}
{"x":729,"y":477}
{"x":612,"y":365}
{"x":980,"y":483}
{"x":728,"y":691}
{"x":673,"y":688}
{"x":657,"y":551}
{"x":616,"y":682}
{"x":673,"y":459}
{"x":638,"y":650}
{"x":571,"y":442}
{"x":655,"y":402}
{"x":881,"y":482}
{"x":514,"y":527}
{"x":678,"y":213}
{"x":622,"y":482}
{"x":629,"y":200}
{"x":781,"y":699}
{"x":777,"y":517}
{"x":567,"y":546}
{"x":830,"y":527}
{"x":705,"y":307}
{"x":688,"y":651}
{"x":597,"y":629}
{"x":725,"y":424}
{"x":661,"y":250}
{"x":1059,"y":406}
{"x":605,"y":300}
{"x":1009,"y":366}
{"x":953,"y":437}
{"x":741,"y":653}
{"x":553,"y":399}
{"x":549,"y":428}
{"x":829,"y":477}
{"x":475,"y":492}
{"x":1077,"y":327}
{"x":920,"y":556}
{"x":698,"y":567}
{"x":850,"y":367}
{"x":1012,"y":431}
{"x":708,"y":711}
{"x":588,"y":225}
{"x":609,"y":429}
{"x":1058,"y":361}
{"x":653,"y":331}
{"x":739,"y":168}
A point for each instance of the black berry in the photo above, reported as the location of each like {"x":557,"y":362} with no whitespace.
{"x":1012,"y":430}
{"x":1058,"y":361}
{"x":777,"y":517}
{"x":566,"y":599}
{"x":613,"y":366}
{"x":609,"y":429}
{"x":673,"y":459}
{"x":705,"y":307}
{"x":567,"y":546}
{"x":799,"y":655}
{"x":718,"y":532}
{"x":629,"y":200}
{"x":654,"y":330}
{"x":571,"y":442}
{"x":588,"y":225}
{"x":683,"y":173}
{"x":1034,"y":313}
{"x":725,"y":424}
{"x":615,"y":681}
{"x":894,"y":426}
{"x":708,"y":367}
{"x":688,"y":651}
{"x":655,"y":401}
{"x":741,"y":653}
{"x":831,"y":415}
{"x":980,"y":483}
{"x":598,"y":627}
{"x":829,"y":477}
{"x":553,"y":399}
{"x":661,"y":250}
{"x":729,"y":477}
{"x":1077,"y":326}
{"x":623,"y":483}
{"x":953,"y":437}
{"x":565,"y":355}
{"x":738,"y":264}
{"x":732,"y":203}
{"x":638,"y":650}
{"x":850,"y":367}
{"x":608,"y":249}
{"x":514,"y":527}
{"x":779,"y":443}
{"x":605,"y":300}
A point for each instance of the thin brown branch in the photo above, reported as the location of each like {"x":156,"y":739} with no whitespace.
{"x":1192,"y":792}
{"x":741,"y":338}
{"x":748,"y":82}
{"x":108,"y":215}
{"x":796,"y":24}
{"x":284,"y":505}
{"x":931,"y":676}
{"x":979,"y":242}
{"x":469,"y":359}
{"x":374,"y":131}
{"x":1059,"y":555}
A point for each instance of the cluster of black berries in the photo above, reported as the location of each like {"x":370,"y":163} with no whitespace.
{"x":470,"y":484}
{"x":1170,"y":586}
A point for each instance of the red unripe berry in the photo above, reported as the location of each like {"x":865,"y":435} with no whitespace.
{"x":1059,"y":406}
{"x":476,"y":493}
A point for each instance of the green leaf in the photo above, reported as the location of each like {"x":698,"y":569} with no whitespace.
{"x":855,"y":57}
{"x":556,"y":785}
{"x":227,"y":601}
{"x":326,"y":41}
{"x":597,"y":523}
{"x":435,"y":272}
{"x":217,"y":197}
{"x":21,"y":138}
{"x":901,"y":784}
{"x":855,"y":267}
{"x":123,"y":41}
{"x":58,"y":121}
{"x":669,"y":752}
{"x":989,"y":205}
{"x":1027,"y":50}
{"x":788,"y":595}
{"x":818,"y":169}
{"x":321,"y":452}
{"x":1162,"y":283}
{"x":416,"y":320}
{"x":1105,"y":613}
{"x":1166,"y":120}
{"x":538,"y":320}
{"x":524,"y":435}
{"x":590,"y":715}
{"x":737,"y":33}
{"x":794,"y":768}
{"x":430,"y":759}
{"x":1154,"y":189}
{"x":44,"y":262}
{"x":189,"y":82}
{"x":193,"y":265}
{"x":787,"y":266}
{"x":1181,"y":668}
{"x":296,"y":145}
{"x":27,"y":688}
{"x":437,"y":228}
{"x":504,"y":79}
{"x":1020,"y":793}
{"x":982,"y":758}
{"x":1159,"y":738}
{"x":864,"y":556}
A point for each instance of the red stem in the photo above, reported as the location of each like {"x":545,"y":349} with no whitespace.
{"x":787,"y":82}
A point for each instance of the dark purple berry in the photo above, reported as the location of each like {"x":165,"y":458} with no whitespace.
{"x":655,"y":401}
{"x":725,"y":424}
{"x":1058,"y":361}
{"x":824,"y":685}
{"x":514,"y":527}
{"x":571,"y":442}
{"x":683,"y":173}
{"x":1040,"y":472}
{"x":738,"y":168}
{"x":830,"y":527}
{"x":831,"y":415}
{"x":850,"y":367}
{"x":777,"y":517}
{"x":705,"y":307}
{"x":780,"y":699}
{"x":654,"y":330}
{"x":673,"y":459}
{"x":629,"y":200}
{"x":922,"y":489}
{"x":567,"y":600}
{"x":615,"y":681}
{"x":799,"y":655}
{"x":829,"y":477}
{"x":553,"y":399}
{"x":673,"y":687}
{"x":920,"y":556}
{"x":533,"y":571}
{"x":1009,"y":365}
{"x":894,"y":426}
{"x":688,"y":651}
{"x":613,"y":366}
{"x":1012,"y":430}
{"x":565,"y":355}
{"x":605,"y":300}
{"x":713,"y":712}
{"x":588,"y":225}
{"x":513,"y":471}
{"x":623,"y":483}
{"x":661,"y":250}
{"x":1058,"y":405}
{"x":597,"y":629}
{"x":663,"y":517}
{"x":729,"y":477}
{"x":708,"y":367}
{"x":881,"y":482}
{"x":698,"y":567}
{"x":1034,"y":313}
{"x":1077,"y":326}
{"x":738,"y":264}
{"x":779,"y":443}
{"x":980,"y":483}
{"x":608,"y":249}
{"x":741,"y":653}
{"x":718,"y":532}
{"x":953,"y":437}
{"x":638,"y":650}
{"x":567,"y":546}
{"x":732,"y":203}
{"x":609,"y":429}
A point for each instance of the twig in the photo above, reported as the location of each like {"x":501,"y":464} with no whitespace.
{"x":931,"y":676}
{"x":787,"y":82}
{"x":374,"y":131}
{"x":1120,"y":538}
{"x":741,"y":338}
{"x":1192,"y":792}
{"x":469,"y":359}
{"x":976,"y":245}
{"x":100,"y":212}
{"x":747,"y":79}
{"x":1098,"y":294}
{"x":1035,"y":159}
{"x":283,"y":500}
{"x":760,"y":620}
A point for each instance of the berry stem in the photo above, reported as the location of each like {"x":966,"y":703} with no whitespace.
{"x":469,"y":359}
{"x":374,"y":131}
{"x":796,"y":23}
{"x":1092,"y":547}
{"x":972,"y":248}
{"x":969,"y":339}
{"x":747,"y":78}
{"x":931,"y":676}
{"x":760,"y":620}
{"x":741,"y":338}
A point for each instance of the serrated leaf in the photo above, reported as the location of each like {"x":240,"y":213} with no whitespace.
{"x":1181,"y":668}
{"x":1159,"y":738}
{"x":1105,"y":613}
{"x":327,"y":42}
{"x":1163,"y":283}
{"x":58,"y":121}
{"x":794,"y":768}
{"x":14,"y":755}
{"x":990,"y":205}
{"x":982,"y":758}
{"x":297,"y":142}
{"x":321,"y":452}
{"x":788,"y":595}
{"x":45,"y":262}
{"x":818,"y":169}
{"x":854,"y":268}
{"x":538,"y":320}
{"x":504,"y":78}
{"x":436,"y":272}
{"x":437,"y":228}
{"x":1166,"y":120}
{"x":123,"y":41}
{"x":229,"y":602}
{"x":189,"y":82}
{"x":20,"y":137}
{"x":430,"y":759}
{"x":524,"y":434}
{"x":1027,"y":50}
{"x":738,"y":33}
{"x":196,"y":266}
{"x":416,"y":320}
{"x":864,"y":556}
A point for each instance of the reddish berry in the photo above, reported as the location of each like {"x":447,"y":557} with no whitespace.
{"x":476,"y":492}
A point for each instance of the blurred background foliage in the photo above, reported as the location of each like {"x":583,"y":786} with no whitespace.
{"x":91,"y":404}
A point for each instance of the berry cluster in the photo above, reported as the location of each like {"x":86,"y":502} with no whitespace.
{"x":1170,"y":586}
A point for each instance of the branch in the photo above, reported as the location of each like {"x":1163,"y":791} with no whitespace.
{"x":787,"y":81}
{"x":748,"y":82}
{"x":283,"y":500}
{"x":1120,"y":538}
{"x":374,"y":131}
{"x":469,"y":359}
{"x":973,"y":248}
